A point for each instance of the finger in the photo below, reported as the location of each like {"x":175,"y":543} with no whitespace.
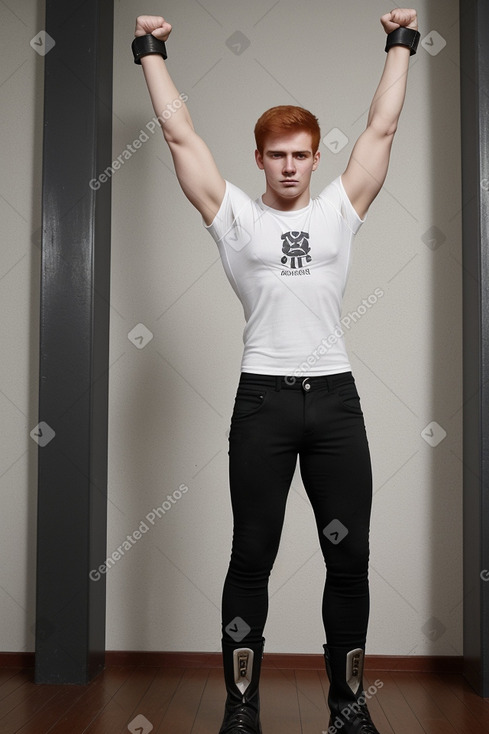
{"x":386,"y":18}
{"x":388,"y":24}
{"x":149,"y":23}
{"x":162,"y":32}
{"x":403,"y":16}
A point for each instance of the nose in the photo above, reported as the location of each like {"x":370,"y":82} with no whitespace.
{"x":289,"y":164}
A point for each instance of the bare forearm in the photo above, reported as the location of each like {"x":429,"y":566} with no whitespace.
{"x":369,"y":160}
{"x":195,"y":167}
{"x":169,"y":105}
{"x":390,"y":94}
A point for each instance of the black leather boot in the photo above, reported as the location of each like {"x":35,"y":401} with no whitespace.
{"x":242,"y":667}
{"x":346,"y":699}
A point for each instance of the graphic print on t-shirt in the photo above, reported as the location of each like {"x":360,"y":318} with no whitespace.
{"x":296,"y":251}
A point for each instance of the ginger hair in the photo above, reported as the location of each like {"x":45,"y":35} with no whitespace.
{"x":284,"y":119}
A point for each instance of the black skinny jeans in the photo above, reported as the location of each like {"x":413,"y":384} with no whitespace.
{"x":320,"y":420}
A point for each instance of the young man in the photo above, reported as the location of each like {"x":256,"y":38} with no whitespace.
{"x":287,"y":257}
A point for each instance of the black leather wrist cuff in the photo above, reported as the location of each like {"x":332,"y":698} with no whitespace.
{"x":403,"y":37}
{"x":143,"y":45}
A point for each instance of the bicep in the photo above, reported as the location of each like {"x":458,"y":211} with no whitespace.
{"x":198,"y":175}
{"x":367,"y":168}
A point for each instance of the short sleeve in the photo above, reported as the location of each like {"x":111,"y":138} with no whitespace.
{"x":235,"y":202}
{"x":336,"y":195}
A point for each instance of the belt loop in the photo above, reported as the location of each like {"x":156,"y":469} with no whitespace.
{"x":330,"y":382}
{"x":278,"y":383}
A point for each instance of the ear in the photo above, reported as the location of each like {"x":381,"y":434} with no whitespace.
{"x":317,"y":156}
{"x":259,"y":160}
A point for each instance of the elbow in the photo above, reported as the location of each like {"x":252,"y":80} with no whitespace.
{"x":383,"y":127}
{"x":169,"y":135}
{"x":176,"y":135}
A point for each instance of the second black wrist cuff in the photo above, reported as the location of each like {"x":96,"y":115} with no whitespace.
{"x":403,"y":37}
{"x":143,"y":45}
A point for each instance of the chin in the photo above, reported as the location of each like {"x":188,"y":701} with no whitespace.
{"x":290,"y":190}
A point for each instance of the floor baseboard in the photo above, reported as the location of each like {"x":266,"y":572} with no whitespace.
{"x":291,"y":661}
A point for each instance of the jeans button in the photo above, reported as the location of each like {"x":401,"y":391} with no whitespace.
{"x":306,"y":385}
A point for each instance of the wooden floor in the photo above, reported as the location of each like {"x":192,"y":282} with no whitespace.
{"x":190,"y":701}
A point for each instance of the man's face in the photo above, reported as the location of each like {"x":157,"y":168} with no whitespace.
{"x":288,"y":162}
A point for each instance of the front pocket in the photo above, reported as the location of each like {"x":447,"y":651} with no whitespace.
{"x":248,"y":401}
{"x":350,"y":399}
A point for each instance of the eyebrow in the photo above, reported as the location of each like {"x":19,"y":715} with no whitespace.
{"x":295,"y":152}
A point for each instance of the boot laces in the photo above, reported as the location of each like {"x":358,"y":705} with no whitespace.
{"x":366,"y":723}
{"x":360,"y":723}
{"x":241,"y":721}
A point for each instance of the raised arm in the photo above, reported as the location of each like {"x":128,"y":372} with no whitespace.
{"x":195,"y":167}
{"x":369,"y":160}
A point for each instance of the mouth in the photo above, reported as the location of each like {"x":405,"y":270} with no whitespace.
{"x":289,"y":181}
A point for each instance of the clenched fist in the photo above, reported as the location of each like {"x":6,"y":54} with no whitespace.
{"x":405,"y":17}
{"x":154,"y":24}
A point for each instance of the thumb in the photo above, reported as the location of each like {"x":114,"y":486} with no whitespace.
{"x":162,"y":32}
{"x":388,"y":24}
{"x":154,"y":24}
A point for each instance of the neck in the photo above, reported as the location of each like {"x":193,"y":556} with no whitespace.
{"x":285,"y":203}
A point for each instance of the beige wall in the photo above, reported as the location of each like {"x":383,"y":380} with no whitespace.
{"x":21,"y":109}
{"x":170,"y":401}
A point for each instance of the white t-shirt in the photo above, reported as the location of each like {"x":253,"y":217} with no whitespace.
{"x":289,"y":270}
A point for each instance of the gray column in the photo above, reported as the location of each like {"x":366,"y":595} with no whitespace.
{"x":74,"y":341}
{"x":474,"y":48}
